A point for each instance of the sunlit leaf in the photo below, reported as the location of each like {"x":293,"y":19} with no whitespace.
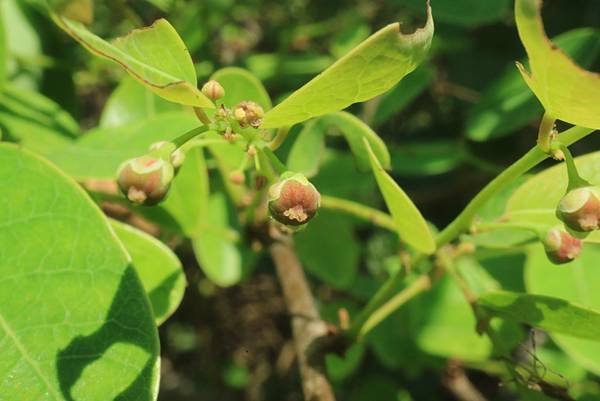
{"x":131,"y":102}
{"x":308,"y":149}
{"x":579,"y":283}
{"x":368,"y":70}
{"x":412,"y":227}
{"x":155,"y":56}
{"x":157,"y":266}
{"x":566,"y":91}
{"x":551,"y":314}
{"x":508,"y":104}
{"x":3,"y":52}
{"x":215,"y":245}
{"x":75,"y":322}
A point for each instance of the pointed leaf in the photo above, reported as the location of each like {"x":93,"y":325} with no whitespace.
{"x":155,"y":56}
{"x":412,"y":227}
{"x":157,"y":266}
{"x":75,"y":322}
{"x":369,"y":70}
{"x":566,"y":91}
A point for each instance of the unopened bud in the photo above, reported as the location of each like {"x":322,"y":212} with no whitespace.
{"x":560,"y":246}
{"x":213,"y":90}
{"x":293,"y":200}
{"x":145,"y":179}
{"x":237,"y":177}
{"x":177,"y":154}
{"x":248,"y":113}
{"x":579,"y":209}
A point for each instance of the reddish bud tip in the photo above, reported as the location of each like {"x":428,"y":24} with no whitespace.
{"x":213,"y":90}
{"x":145,"y":179}
{"x":579,"y":209}
{"x":561,"y":247}
{"x":237,"y":177}
{"x":293,"y":200}
{"x":248,"y":113}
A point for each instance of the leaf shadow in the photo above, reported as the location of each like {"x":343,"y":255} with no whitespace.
{"x":83,"y":351}
{"x":160,"y":295}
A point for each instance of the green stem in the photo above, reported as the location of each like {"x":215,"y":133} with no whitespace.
{"x":356,"y":209}
{"x":463,"y":221}
{"x":544,"y":139}
{"x":182,"y":139}
{"x":538,"y":229}
{"x":263,"y":167}
{"x":575,"y":180}
{"x":202,"y":116}
{"x":279,"y":167}
{"x":282,"y":133}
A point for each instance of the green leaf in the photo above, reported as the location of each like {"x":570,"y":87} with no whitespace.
{"x":535,"y":201}
{"x":239,"y":85}
{"x":3,"y":52}
{"x":508,"y":104}
{"x":551,"y":314}
{"x":155,"y":56}
{"x":308,"y":149}
{"x":75,"y":322}
{"x":329,"y":249}
{"x":369,"y":70}
{"x":187,"y":200}
{"x":78,"y":10}
{"x":131,"y":102}
{"x":157,"y":266}
{"x":354,"y":130}
{"x":427,"y":158}
{"x":447,"y":324}
{"x":215,"y":245}
{"x":402,"y":94}
{"x":566,"y":91}
{"x":412,"y":227}
{"x":579,"y":283}
{"x":109,"y":147}
{"x":466,"y":13}
{"x":35,"y":121}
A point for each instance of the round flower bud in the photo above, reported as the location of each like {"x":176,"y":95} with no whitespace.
{"x":213,"y":90}
{"x":248,"y":113}
{"x":293,"y":200}
{"x":177,"y":154}
{"x":145,"y":179}
{"x":579,"y":209}
{"x":560,"y":246}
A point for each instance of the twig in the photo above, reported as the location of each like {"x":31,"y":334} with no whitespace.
{"x":307,"y":326}
{"x":457,"y":382}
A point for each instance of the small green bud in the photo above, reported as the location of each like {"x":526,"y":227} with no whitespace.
{"x":579,"y":209}
{"x":177,"y":155}
{"x":248,"y":113}
{"x":293,"y":200}
{"x":213,"y":90}
{"x":145,"y":179}
{"x":560,"y":246}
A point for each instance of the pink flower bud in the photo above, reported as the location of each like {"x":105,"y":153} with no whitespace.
{"x":579,"y":209}
{"x":293,"y":200}
{"x":561,"y":247}
{"x":145,"y":179}
{"x":213,"y":90}
{"x":248,"y":113}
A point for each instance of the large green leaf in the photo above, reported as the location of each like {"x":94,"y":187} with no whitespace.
{"x":412,"y":227}
{"x":427,"y":157}
{"x":329,"y":249}
{"x":131,"y":102}
{"x":109,"y":147}
{"x":158,"y":268}
{"x":215,"y":245}
{"x":566,"y":91}
{"x":35,"y":121}
{"x":3,"y":52}
{"x":552,"y":314}
{"x":354,"y":130}
{"x":155,"y":56}
{"x":508,"y":104}
{"x":577,"y":282}
{"x":75,"y":322}
{"x":370,"y":69}
{"x":308,"y":149}
{"x":239,"y":85}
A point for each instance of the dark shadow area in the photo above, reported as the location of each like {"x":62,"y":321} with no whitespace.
{"x":159,"y":296}
{"x":122,"y":325}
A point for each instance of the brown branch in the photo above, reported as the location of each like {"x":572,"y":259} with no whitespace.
{"x":457,"y":382}
{"x":307,"y":326}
